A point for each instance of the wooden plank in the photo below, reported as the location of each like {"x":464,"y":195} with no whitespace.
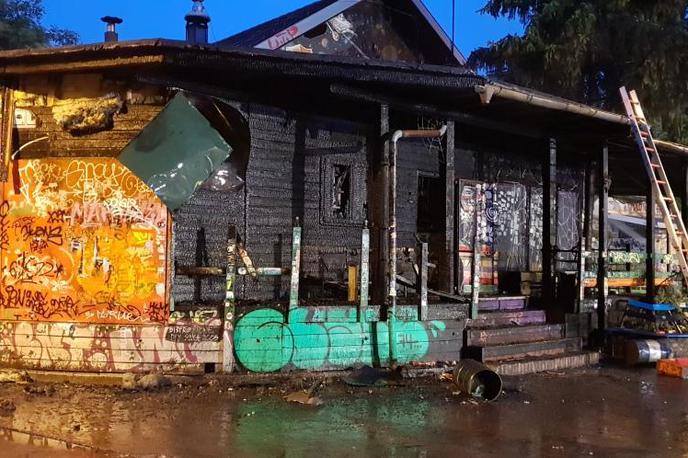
{"x":365,"y":273}
{"x":423,"y":282}
{"x":295,"y":267}
{"x":502,"y":336}
{"x":552,"y":363}
{"x":521,"y":350}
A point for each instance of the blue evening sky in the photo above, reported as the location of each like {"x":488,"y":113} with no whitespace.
{"x":165,"y":18}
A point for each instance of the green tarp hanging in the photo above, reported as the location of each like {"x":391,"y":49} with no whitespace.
{"x":176,"y":152}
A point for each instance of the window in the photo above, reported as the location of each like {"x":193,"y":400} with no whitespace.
{"x":343,"y":192}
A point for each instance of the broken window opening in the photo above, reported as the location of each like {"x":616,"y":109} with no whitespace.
{"x":341,"y":191}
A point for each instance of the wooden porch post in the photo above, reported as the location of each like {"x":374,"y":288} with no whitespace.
{"x":603,"y":194}
{"x":650,"y":237}
{"x":589,"y":202}
{"x":382,"y":287}
{"x":448,"y":262}
{"x":549,"y":217}
{"x":378,"y":207}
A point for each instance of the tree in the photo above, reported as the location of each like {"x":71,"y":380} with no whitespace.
{"x":20,"y":26}
{"x":586,"y":49}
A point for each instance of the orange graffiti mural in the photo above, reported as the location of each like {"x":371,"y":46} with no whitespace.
{"x":84,"y":240}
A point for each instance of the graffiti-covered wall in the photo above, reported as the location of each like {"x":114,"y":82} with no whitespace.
{"x":82,"y":240}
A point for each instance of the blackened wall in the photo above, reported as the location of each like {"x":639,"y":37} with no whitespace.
{"x":285,"y":180}
{"x":415,"y":158}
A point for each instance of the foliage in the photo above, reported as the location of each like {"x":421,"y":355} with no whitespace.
{"x":585,"y":50}
{"x":20,"y":26}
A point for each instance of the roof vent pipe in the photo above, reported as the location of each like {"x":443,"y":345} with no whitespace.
{"x":111,"y":32}
{"x":197,"y":24}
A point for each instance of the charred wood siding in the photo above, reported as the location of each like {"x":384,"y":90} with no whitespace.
{"x":201,"y":229}
{"x":107,"y":143}
{"x":416,"y":157}
{"x":284,"y":183}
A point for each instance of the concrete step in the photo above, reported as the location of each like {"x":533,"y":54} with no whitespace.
{"x":513,"y":334}
{"x":547,"y":363}
{"x":503,"y":303}
{"x":500,"y":319}
{"x":502,"y":353}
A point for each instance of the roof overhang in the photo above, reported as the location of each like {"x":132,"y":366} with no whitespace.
{"x":444,"y":90}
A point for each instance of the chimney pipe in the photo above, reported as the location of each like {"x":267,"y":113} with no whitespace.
{"x":111,"y":32}
{"x":197,"y":24}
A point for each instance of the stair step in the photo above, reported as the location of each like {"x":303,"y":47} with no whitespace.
{"x":505,"y":353}
{"x":513,"y":334}
{"x":502,"y":303}
{"x":548,"y":363}
{"x":497,"y":319}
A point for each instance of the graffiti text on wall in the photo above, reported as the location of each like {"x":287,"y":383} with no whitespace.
{"x":98,"y":348}
{"x":85,"y":240}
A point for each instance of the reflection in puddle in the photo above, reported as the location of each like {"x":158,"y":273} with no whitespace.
{"x":40,"y":441}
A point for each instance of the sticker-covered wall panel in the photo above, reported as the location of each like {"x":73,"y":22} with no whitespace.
{"x":84,"y":240}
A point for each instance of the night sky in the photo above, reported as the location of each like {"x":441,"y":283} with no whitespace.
{"x":165,"y":18}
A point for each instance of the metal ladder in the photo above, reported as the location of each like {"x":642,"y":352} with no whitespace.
{"x":676,"y":229}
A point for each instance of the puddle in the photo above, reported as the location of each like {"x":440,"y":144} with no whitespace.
{"x":606,"y":413}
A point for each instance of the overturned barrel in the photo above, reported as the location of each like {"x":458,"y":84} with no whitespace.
{"x":477,"y":380}
{"x":644,"y":351}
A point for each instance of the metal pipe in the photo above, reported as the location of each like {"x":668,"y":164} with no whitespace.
{"x":490,"y":90}
{"x":398,"y":135}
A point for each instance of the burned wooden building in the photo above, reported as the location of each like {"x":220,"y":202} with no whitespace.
{"x":334,"y":187}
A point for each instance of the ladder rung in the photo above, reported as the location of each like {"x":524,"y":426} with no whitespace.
{"x":668,"y":199}
{"x":655,"y":165}
{"x":661,"y":182}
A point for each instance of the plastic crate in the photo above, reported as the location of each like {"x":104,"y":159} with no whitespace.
{"x":673,"y":367}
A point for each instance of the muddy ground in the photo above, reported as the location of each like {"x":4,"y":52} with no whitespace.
{"x":594,"y":412}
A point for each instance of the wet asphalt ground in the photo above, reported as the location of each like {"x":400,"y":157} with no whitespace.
{"x":607,"y":412}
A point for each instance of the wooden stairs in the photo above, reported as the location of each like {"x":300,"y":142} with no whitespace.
{"x":516,"y":341}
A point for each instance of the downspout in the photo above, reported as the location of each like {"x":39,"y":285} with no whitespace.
{"x":391,"y":315}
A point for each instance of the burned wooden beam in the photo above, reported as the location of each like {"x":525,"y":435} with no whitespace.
{"x":603,"y":184}
{"x":416,"y":108}
{"x":650,"y":237}
{"x":448,"y":259}
{"x":423,"y":282}
{"x":365,"y":274}
{"x":549,"y":221}
{"x":295,"y":266}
